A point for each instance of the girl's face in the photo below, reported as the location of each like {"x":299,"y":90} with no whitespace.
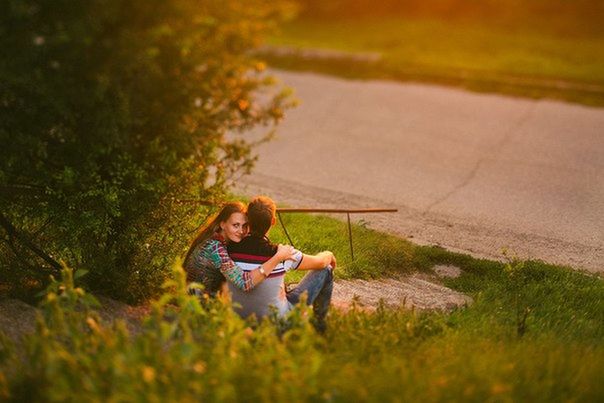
{"x":235,"y":227}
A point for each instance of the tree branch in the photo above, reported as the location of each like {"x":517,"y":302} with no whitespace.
{"x":17,"y":253}
{"x":14,"y":233}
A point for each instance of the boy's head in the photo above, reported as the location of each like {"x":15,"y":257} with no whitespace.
{"x":261,"y":214}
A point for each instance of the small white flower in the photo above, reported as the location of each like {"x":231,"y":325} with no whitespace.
{"x":39,"y":40}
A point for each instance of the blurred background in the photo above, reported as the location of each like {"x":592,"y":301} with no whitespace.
{"x":533,"y":48}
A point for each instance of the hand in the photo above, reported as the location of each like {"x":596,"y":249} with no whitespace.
{"x":329,"y":259}
{"x":285,"y":252}
{"x":333,"y":262}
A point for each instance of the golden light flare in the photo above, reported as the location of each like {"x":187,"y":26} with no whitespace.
{"x":148,"y":374}
{"x":243,"y":104}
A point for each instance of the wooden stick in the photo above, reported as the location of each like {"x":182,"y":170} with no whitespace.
{"x":336,"y":210}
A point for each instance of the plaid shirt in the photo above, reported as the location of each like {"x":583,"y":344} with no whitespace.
{"x":210,"y":265}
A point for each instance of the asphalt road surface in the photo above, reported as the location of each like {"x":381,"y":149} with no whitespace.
{"x":469,"y":172}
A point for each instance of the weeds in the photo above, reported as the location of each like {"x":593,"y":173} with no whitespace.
{"x":192,"y":350}
{"x":515,"y":270}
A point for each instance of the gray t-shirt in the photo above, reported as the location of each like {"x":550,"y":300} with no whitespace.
{"x":249,"y":254}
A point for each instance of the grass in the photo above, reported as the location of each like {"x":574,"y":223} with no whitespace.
{"x":562,"y":300}
{"x":522,"y":60}
{"x":189,"y":351}
{"x":376,"y":254}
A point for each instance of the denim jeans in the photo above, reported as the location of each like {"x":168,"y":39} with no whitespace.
{"x":318,"y":284}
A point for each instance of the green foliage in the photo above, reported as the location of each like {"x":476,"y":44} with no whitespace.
{"x":562,"y":301}
{"x":108,"y":111}
{"x":186,"y":349}
{"x":192,"y":350}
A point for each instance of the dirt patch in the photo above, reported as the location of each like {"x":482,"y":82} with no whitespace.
{"x":112,"y":310}
{"x":410,"y":292}
{"x":447,"y":271}
{"x":17,"y":319}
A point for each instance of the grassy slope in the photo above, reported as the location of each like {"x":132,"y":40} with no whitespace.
{"x":521,"y":60}
{"x":473,"y":354}
{"x":564,"y":302}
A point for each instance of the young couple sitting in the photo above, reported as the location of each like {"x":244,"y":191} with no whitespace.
{"x":234,"y":246}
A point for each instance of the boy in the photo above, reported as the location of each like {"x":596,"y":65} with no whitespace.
{"x":256,"y":248}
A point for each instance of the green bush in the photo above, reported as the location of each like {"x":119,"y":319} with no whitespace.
{"x":185,"y":349}
{"x":108,"y":111}
{"x":191,"y":351}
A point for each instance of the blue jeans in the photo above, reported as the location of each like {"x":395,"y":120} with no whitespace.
{"x":318,"y":284}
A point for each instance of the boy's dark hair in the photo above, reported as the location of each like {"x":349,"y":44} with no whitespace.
{"x":260,"y":214}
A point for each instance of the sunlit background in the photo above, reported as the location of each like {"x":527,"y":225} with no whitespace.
{"x":530,"y":48}
{"x":118,"y":117}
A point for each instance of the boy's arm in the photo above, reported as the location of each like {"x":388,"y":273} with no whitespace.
{"x":319,"y":261}
{"x":247,"y":280}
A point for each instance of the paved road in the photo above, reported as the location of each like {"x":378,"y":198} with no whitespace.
{"x":470,"y":172}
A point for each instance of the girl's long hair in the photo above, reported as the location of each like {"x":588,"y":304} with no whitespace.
{"x":212,"y":225}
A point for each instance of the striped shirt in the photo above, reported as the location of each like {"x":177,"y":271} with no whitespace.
{"x":248,"y":254}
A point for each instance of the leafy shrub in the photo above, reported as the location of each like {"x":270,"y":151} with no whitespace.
{"x":187,"y":350}
{"x":108,"y":111}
